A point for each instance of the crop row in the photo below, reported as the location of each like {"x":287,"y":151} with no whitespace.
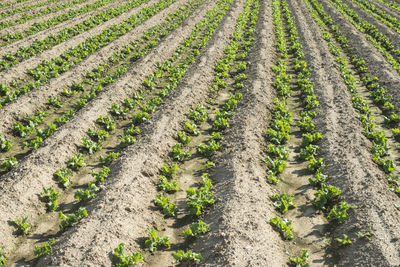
{"x":14,"y":11}
{"x":47,"y":70}
{"x":229,"y":76}
{"x":7,"y":4}
{"x":392,"y":4}
{"x":207,"y":27}
{"x":326,"y":197}
{"x":379,"y":14}
{"x":378,"y":39}
{"x":380,"y":143}
{"x":79,"y":94}
{"x":38,"y":14}
{"x":171,"y":75}
{"x":38,"y":46}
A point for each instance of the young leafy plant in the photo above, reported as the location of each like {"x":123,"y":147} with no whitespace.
{"x":154,"y":242}
{"x":198,"y":115}
{"x":71,"y":219}
{"x":315,"y":164}
{"x":339,"y":213}
{"x":90,"y":145}
{"x":169,"y":209}
{"x":183,"y":138}
{"x":76,"y":162}
{"x":140,"y":117}
{"x":178,"y":154}
{"x":22,"y":226}
{"x":284,"y":226}
{"x":278,"y":151}
{"x":199,"y":199}
{"x":209,"y":149}
{"x":126,"y":140}
{"x":3,"y":258}
{"x":209,"y":165}
{"x":191,"y":128}
{"x":325,"y":195}
{"x":169,"y":172}
{"x":196,"y":230}
{"x":189,"y":256}
{"x":8,"y":163}
{"x":108,"y":123}
{"x":97,"y":135}
{"x":101,"y":175}
{"x":275,"y":166}
{"x":62,"y":176}
{"x":52,"y":197}
{"x":308,"y":152}
{"x":5,"y":145}
{"x":311,"y":138}
{"x":344,"y":241}
{"x":167,"y":186}
{"x":283,"y":202}
{"x":88,"y":194}
{"x":318,"y":179}
{"x":300,"y":261}
{"x":110,"y":157}
{"x":44,"y":249}
{"x":122,"y":260}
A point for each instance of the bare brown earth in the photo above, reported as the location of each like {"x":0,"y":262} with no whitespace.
{"x":240,"y":231}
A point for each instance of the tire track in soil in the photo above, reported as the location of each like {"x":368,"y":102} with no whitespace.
{"x":138,"y":167}
{"x":393,"y":36}
{"x":34,"y":11}
{"x":377,"y":64}
{"x":13,"y":47}
{"x":20,"y":70}
{"x":29,"y":23}
{"x":347,"y":155}
{"x":37,"y":98}
{"x":39,"y":166}
{"x":240,"y":236}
